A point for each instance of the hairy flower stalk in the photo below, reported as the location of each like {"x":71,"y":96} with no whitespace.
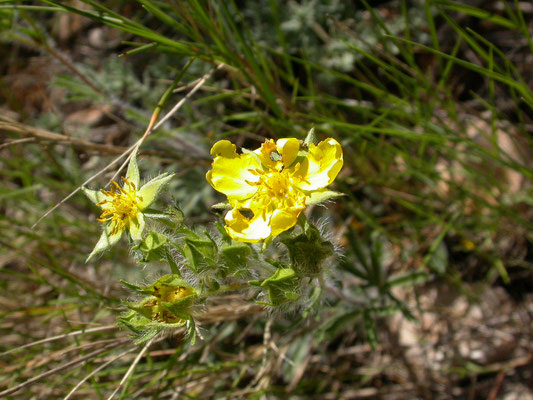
{"x":269,"y":187}
{"x":123,"y":206}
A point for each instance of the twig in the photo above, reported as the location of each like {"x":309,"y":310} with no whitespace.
{"x":494,"y":391}
{"x":132,"y":367}
{"x":51,"y":339}
{"x":101,"y":367}
{"x":43,"y":134}
{"x":153,"y":126}
{"x":60,"y":368}
{"x":16,"y":141}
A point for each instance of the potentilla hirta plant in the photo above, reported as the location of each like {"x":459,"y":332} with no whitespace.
{"x":267,"y":191}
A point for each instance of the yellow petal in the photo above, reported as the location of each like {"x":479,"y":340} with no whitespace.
{"x":230,"y":175}
{"x":284,"y":219}
{"x":321,"y":166}
{"x":224,"y":148}
{"x":288,"y":148}
{"x":136,"y":226}
{"x":264,"y":153}
{"x":243,"y":229}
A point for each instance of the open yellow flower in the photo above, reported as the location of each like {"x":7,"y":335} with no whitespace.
{"x":268,"y":188}
{"x":123,"y":206}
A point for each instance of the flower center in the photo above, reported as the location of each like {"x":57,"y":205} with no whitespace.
{"x":121,"y":205}
{"x":276,"y":189}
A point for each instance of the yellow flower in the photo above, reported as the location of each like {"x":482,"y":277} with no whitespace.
{"x":122,"y":207}
{"x":268,"y":188}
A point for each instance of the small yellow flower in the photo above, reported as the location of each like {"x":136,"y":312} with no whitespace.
{"x":268,"y":188}
{"x":122,"y":207}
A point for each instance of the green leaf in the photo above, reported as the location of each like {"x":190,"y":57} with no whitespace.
{"x":370,"y":330}
{"x":498,"y":264}
{"x":200,"y":253}
{"x":153,"y":247}
{"x":439,"y":259}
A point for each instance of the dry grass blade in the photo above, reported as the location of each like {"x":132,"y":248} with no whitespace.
{"x":93,"y":373}
{"x":17,"y":141}
{"x":42,"y":134}
{"x":60,"y":368}
{"x":131,"y":369}
{"x":58,"y":337}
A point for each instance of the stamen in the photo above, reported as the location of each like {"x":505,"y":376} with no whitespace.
{"x":121,"y":205}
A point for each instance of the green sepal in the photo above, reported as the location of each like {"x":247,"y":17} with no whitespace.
{"x":132,"y":174}
{"x":174,"y":268}
{"x":134,"y":321}
{"x":311,"y":137}
{"x":180,"y":308}
{"x":307,"y":250}
{"x":176,"y":214}
{"x":221,"y":206}
{"x":172,"y":217}
{"x":142,"y":308}
{"x":282,"y":287}
{"x":133,"y":287}
{"x":96,"y":196}
{"x":166,"y":280}
{"x":223,"y":233}
{"x":321,"y":196}
{"x":266,"y":243}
